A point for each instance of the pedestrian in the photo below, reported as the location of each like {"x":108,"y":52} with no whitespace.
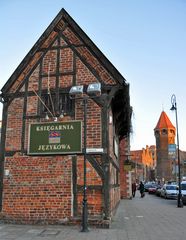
{"x":133,"y":189}
{"x":142,"y":189}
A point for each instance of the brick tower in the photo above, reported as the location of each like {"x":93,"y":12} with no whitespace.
{"x":165,"y":135}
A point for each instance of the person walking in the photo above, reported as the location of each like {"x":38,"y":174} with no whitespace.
{"x":133,"y":189}
{"x":142,"y":189}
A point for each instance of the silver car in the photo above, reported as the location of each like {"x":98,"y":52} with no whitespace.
{"x":169,"y":191}
{"x":183,"y":191}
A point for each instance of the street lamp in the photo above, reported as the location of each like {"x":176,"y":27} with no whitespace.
{"x":76,"y":92}
{"x":174,"y":107}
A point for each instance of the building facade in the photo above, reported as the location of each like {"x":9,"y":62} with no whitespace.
{"x":144,"y":162}
{"x":183,"y":164}
{"x":46,"y":185}
{"x":125,"y":169}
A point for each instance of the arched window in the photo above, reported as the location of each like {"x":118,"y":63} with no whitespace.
{"x":164,"y":131}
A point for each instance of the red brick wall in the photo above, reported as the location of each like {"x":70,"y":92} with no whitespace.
{"x":94,"y":196}
{"x":125,"y":177}
{"x":37,"y":189}
{"x":14,"y":125}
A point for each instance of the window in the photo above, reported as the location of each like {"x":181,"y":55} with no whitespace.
{"x":157,"y":133}
{"x":172,"y":131}
{"x":171,"y":187}
{"x":164,"y":131}
{"x":183,"y":186}
{"x":57,"y":104}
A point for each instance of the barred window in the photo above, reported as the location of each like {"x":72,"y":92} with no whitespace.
{"x":57,"y":104}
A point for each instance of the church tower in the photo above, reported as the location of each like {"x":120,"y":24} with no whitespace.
{"x":165,"y":135}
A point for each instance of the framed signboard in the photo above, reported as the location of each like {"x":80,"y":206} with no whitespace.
{"x":128,"y":167}
{"x":55,"y":138}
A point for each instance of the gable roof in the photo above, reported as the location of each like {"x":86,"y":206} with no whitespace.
{"x":164,"y":122}
{"x":49,"y":34}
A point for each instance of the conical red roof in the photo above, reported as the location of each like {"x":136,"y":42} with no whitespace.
{"x":164,"y":122}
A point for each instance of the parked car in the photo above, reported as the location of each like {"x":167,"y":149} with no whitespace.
{"x":183,"y":191}
{"x":158,"y":191}
{"x":169,"y":191}
{"x":153,"y":188}
{"x":148,"y":185}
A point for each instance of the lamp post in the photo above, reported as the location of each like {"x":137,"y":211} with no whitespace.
{"x":174,"y":108}
{"x":93,"y":88}
{"x":85,"y":207}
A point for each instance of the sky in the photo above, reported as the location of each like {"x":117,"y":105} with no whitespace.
{"x":144,"y":39}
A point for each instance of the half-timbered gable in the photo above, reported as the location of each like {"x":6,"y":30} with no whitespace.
{"x":48,"y":188}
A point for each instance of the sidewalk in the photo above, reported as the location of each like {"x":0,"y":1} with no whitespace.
{"x":150,"y":218}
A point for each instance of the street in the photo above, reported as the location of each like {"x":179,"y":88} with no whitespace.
{"x":150,"y":218}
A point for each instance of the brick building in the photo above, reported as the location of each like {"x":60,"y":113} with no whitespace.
{"x":165,"y":135}
{"x":183,"y":163}
{"x":125,"y":169}
{"x":46,"y":186}
{"x":144,"y":162}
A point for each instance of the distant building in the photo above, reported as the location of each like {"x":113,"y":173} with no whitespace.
{"x":125,"y":169}
{"x":165,"y":137}
{"x":136,"y":159}
{"x":183,"y":163}
{"x":144,"y":163}
{"x":152,"y":150}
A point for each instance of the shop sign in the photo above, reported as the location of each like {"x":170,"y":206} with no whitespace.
{"x":172,"y":148}
{"x":55,"y":138}
{"x":128,"y":167}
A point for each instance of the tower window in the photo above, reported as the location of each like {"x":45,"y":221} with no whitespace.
{"x":164,"y":131}
{"x":157,"y":133}
{"x":172,"y":131}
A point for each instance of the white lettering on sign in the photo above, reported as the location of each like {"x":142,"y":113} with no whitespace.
{"x":54,"y":147}
{"x":54,"y":127}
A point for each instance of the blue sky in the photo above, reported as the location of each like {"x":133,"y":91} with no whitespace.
{"x":144,"y":39}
